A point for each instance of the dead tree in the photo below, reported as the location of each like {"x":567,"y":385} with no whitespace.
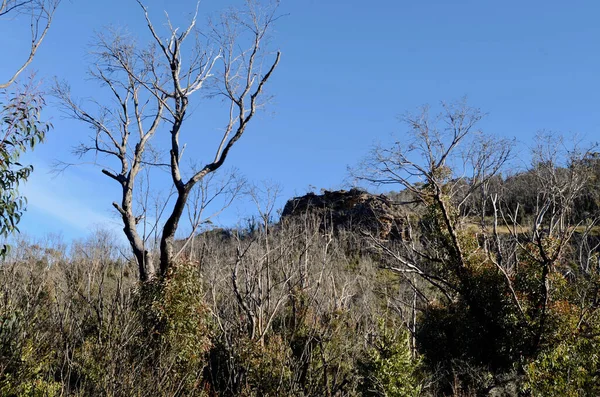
{"x":507,"y":268}
{"x":152,"y":88}
{"x":558,"y":175}
{"x":443,"y":162}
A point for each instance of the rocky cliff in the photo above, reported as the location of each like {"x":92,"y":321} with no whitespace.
{"x":353,"y":209}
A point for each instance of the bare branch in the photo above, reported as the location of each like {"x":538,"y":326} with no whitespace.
{"x":41,"y":13}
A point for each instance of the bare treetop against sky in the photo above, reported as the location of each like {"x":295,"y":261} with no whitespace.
{"x":347,"y":70}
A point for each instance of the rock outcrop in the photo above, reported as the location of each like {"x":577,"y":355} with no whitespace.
{"x":354,"y":209}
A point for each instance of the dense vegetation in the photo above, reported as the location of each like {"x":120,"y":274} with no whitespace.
{"x":297,"y":308}
{"x":480,"y":281}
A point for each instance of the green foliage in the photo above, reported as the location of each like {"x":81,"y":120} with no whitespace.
{"x":82,"y":325}
{"x":85,"y":329}
{"x":388,"y":369}
{"x":569,"y":362}
{"x":490,"y":330}
{"x":26,"y":354}
{"x":184,"y":315}
{"x":307,"y":354}
{"x":571,"y":369}
{"x":266,"y":366}
{"x":21,"y":128}
{"x":176,"y":326}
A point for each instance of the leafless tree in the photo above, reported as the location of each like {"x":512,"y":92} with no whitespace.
{"x":152,"y":88}
{"x":264,"y":285}
{"x":444,"y":165}
{"x":211,"y":195}
{"x":443,"y":161}
{"x":559,"y":175}
{"x":41,"y":14}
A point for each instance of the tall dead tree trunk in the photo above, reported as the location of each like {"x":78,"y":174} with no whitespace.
{"x":153,"y":87}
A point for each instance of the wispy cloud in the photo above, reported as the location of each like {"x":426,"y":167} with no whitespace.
{"x":70,"y":200}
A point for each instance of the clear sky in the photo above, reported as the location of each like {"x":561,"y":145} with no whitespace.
{"x":348,"y":69}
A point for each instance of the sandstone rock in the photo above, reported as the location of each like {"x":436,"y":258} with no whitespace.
{"x":353,"y":209}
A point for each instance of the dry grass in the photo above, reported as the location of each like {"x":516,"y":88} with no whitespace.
{"x":502,"y":229}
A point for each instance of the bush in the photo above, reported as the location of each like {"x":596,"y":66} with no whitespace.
{"x":388,"y":369}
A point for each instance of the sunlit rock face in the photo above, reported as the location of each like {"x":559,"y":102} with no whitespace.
{"x":353,"y":209}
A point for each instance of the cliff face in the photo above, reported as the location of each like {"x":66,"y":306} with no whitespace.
{"x":353,"y":209}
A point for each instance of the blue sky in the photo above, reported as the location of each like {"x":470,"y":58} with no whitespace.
{"x":348,"y":69}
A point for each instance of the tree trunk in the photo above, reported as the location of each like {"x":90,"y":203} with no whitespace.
{"x":168,"y":234}
{"x":142,"y":256}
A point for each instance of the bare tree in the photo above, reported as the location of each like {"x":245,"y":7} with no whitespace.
{"x":444,"y":161}
{"x":209,"y":194}
{"x":152,"y":88}
{"x":559,"y":174}
{"x":503,"y":276}
{"x":286,"y":284}
{"x":41,"y":14}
